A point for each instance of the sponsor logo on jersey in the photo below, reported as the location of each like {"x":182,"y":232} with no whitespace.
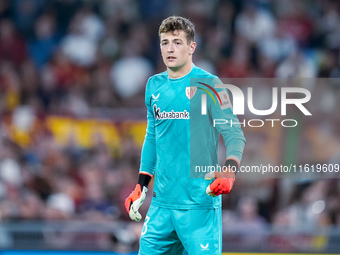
{"x":224,"y":99}
{"x":190,"y":92}
{"x":155,"y":97}
{"x":169,"y":115}
{"x":205,"y":247}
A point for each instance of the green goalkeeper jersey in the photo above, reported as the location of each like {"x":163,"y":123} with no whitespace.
{"x":181,"y":143}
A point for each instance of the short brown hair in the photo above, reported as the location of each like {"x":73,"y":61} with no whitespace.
{"x":177,"y":23}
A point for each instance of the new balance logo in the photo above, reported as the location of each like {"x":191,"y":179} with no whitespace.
{"x":169,"y":115}
{"x":155,"y":97}
{"x":205,"y":247}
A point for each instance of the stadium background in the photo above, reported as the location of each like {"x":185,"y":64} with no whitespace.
{"x":72,"y":78}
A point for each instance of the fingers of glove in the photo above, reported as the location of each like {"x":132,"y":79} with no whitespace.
{"x":143,"y":196}
{"x":136,"y":216}
{"x":219,"y":192}
{"x":211,"y":188}
{"x":221,"y":186}
{"x":215,"y":184}
{"x":136,"y":205}
{"x":209,"y":192}
{"x":229,"y":183}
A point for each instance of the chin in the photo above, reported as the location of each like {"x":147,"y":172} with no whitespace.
{"x":171,"y":65}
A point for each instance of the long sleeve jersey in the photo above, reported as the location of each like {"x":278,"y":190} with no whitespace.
{"x":180,"y":139}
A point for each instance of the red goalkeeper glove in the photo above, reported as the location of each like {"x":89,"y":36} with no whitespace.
{"x":223,"y":182}
{"x":137,"y":197}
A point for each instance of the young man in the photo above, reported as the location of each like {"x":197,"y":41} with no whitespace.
{"x":185,"y":213}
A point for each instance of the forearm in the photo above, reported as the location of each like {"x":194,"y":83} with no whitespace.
{"x":148,"y":157}
{"x":235,"y":147}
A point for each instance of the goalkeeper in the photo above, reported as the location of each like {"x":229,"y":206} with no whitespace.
{"x":185,"y":213}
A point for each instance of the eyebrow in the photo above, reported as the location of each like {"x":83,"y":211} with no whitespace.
{"x":177,"y":39}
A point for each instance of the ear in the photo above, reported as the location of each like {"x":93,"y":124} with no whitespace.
{"x":192,"y":48}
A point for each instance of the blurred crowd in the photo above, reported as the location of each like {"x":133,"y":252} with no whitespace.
{"x":69,"y":57}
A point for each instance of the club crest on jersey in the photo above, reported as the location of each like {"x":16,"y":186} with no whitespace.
{"x":190,"y":92}
{"x":169,"y":115}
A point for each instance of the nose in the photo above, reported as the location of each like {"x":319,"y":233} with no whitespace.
{"x":171,"y":47}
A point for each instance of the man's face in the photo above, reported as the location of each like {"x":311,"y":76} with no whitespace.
{"x":176,"y":51}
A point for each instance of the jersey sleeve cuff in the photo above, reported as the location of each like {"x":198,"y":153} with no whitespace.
{"x":146,"y":173}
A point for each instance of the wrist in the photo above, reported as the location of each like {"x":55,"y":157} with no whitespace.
{"x":232,"y":165}
{"x":144,"y":180}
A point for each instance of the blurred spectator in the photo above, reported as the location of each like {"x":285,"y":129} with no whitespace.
{"x":307,"y":212}
{"x":77,"y":45}
{"x":281,"y":220}
{"x":10,"y":172}
{"x":254,"y":23}
{"x":277,"y":46}
{"x":5,"y":9}
{"x":64,"y":11}
{"x":10,"y":87}
{"x":297,"y":65}
{"x":247,"y":223}
{"x":32,"y":208}
{"x":74,"y":102}
{"x":24,"y":14}
{"x":248,"y":219}
{"x":45,"y":40}
{"x":294,"y":21}
{"x":12,"y":46}
{"x":238,"y":65}
{"x":59,"y":206}
{"x":125,"y":12}
{"x":129,"y":76}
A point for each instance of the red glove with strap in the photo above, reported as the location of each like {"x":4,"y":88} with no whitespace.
{"x":135,"y":200}
{"x":224,"y":181}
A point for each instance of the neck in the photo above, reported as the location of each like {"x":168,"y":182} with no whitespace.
{"x":175,"y":73}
